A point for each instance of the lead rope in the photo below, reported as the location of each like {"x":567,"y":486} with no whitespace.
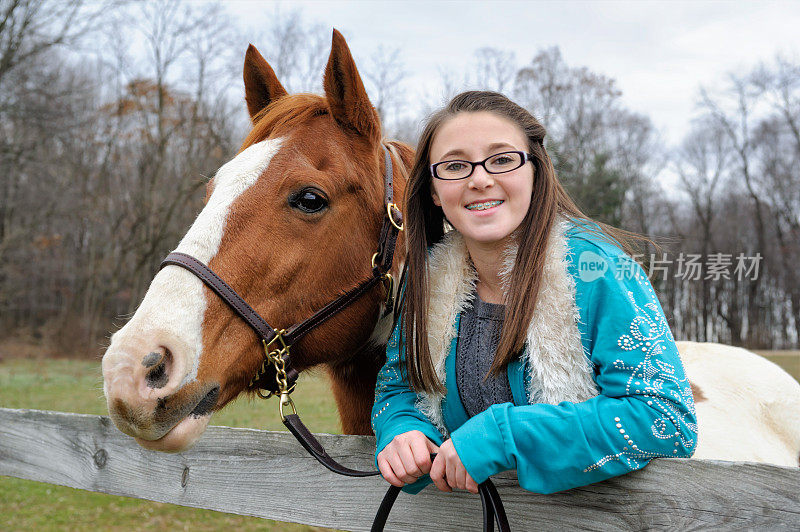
{"x":492,"y":506}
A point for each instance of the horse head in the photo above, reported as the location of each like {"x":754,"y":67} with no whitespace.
{"x":290,"y":223}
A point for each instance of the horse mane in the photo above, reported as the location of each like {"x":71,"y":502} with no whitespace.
{"x":403,"y":153}
{"x":284,"y":114}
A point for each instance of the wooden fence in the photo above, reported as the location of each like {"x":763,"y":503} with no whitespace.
{"x":267,"y":474}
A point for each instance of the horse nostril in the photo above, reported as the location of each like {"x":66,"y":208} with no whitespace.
{"x":152,"y":359}
{"x":157,"y":376}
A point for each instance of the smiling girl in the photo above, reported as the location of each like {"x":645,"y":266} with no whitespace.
{"x":528,"y":337}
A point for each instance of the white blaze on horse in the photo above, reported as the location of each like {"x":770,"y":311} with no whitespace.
{"x":291,"y":223}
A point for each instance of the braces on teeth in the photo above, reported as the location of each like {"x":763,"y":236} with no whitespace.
{"x":483,"y":206}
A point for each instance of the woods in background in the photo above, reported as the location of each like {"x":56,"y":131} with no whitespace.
{"x":114,"y":115}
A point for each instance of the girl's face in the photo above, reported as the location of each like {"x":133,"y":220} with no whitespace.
{"x":473,"y":137}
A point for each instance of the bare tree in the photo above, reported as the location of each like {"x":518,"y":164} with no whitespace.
{"x":777,"y":145}
{"x":317,"y":40}
{"x":494,"y":69}
{"x":542,"y":85}
{"x":29,"y":28}
{"x":605,"y":155}
{"x":450,"y":85}
{"x":732,"y":111}
{"x":701,"y":163}
{"x":177,"y":117}
{"x":384,"y":76}
{"x":103,"y":165}
{"x":779,"y":84}
{"x":296,"y":50}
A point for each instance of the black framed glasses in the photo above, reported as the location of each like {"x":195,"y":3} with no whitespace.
{"x":498,"y":163}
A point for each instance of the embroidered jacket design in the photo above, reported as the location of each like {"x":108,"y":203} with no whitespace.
{"x":647,"y":333}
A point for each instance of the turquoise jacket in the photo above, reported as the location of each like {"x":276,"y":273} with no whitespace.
{"x":644,"y":408}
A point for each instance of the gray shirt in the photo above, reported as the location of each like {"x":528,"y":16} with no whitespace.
{"x":478,"y":337}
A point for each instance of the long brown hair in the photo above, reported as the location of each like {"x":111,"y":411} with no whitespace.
{"x":425,"y":226}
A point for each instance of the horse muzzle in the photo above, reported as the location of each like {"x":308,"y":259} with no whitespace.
{"x":151,"y":398}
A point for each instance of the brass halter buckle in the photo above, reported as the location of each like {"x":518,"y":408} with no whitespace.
{"x":275,"y":350}
{"x":388,"y":282}
{"x":389,"y":207}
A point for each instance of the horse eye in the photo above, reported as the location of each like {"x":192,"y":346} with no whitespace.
{"x":308,"y":201}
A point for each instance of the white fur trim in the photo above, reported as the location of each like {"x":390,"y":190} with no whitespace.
{"x":559,"y":370}
{"x":451,"y":280}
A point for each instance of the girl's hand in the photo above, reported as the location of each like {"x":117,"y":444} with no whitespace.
{"x":406,"y":458}
{"x":448,"y":472}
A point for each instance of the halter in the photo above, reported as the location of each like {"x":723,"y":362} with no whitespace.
{"x":277,"y":344}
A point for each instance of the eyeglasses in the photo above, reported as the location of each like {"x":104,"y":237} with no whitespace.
{"x":498,"y":163}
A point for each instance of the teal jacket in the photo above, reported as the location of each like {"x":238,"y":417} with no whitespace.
{"x":643,"y":408}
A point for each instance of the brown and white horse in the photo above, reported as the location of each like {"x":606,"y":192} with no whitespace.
{"x":290,"y":223}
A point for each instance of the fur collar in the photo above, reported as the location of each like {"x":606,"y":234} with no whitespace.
{"x":558,"y":369}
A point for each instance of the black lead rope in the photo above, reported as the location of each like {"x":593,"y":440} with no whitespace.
{"x":315,"y":448}
{"x":493,"y":510}
{"x":491,"y":503}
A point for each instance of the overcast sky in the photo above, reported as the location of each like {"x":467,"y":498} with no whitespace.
{"x":659,"y":52}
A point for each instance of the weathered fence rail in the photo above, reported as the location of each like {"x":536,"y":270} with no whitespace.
{"x":267,"y":474}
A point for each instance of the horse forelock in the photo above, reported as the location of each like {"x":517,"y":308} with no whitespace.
{"x":284,"y":115}
{"x":293,"y":113}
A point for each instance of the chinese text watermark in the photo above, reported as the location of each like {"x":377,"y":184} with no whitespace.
{"x":686,"y":267}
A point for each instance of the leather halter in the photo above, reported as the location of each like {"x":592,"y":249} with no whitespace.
{"x":279,"y":358}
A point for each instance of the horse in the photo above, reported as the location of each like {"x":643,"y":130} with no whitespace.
{"x":290,"y":223}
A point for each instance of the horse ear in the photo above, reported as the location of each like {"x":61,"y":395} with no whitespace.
{"x":345,"y":91}
{"x":261,"y":85}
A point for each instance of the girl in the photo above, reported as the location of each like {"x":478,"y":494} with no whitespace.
{"x":528,"y":339}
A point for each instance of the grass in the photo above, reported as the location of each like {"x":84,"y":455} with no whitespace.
{"x":76,"y":386}
{"x":27,"y":505}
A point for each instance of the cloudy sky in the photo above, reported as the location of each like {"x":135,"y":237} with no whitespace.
{"x":659,"y":52}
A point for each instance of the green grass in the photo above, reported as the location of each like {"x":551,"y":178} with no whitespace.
{"x":26,"y":505}
{"x":76,"y":386}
